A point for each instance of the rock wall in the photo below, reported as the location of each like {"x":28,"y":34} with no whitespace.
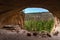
{"x":11,"y":18}
{"x":56,"y":27}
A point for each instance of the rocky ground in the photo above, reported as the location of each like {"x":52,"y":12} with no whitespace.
{"x":22,"y":35}
{"x":9,"y":32}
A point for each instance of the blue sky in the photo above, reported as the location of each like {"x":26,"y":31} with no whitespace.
{"x":33,"y":10}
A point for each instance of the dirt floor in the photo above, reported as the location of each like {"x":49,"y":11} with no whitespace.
{"x":13,"y":35}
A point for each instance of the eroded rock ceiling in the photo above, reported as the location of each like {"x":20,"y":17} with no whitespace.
{"x":10,"y":7}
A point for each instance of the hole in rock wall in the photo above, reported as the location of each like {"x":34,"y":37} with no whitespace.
{"x":38,"y":19}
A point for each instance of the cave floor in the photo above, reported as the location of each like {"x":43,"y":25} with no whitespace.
{"x":9,"y":35}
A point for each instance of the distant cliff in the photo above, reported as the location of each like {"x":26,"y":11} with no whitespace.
{"x":38,"y":16}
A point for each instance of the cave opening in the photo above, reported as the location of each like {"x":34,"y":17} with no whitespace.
{"x":38,"y":19}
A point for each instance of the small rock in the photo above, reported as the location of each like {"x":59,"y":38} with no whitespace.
{"x":45,"y":34}
{"x":28,"y":34}
{"x":56,"y":33}
{"x":35,"y":34}
{"x":48,"y":35}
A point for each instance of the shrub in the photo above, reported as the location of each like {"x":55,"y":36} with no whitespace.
{"x":33,"y":25}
